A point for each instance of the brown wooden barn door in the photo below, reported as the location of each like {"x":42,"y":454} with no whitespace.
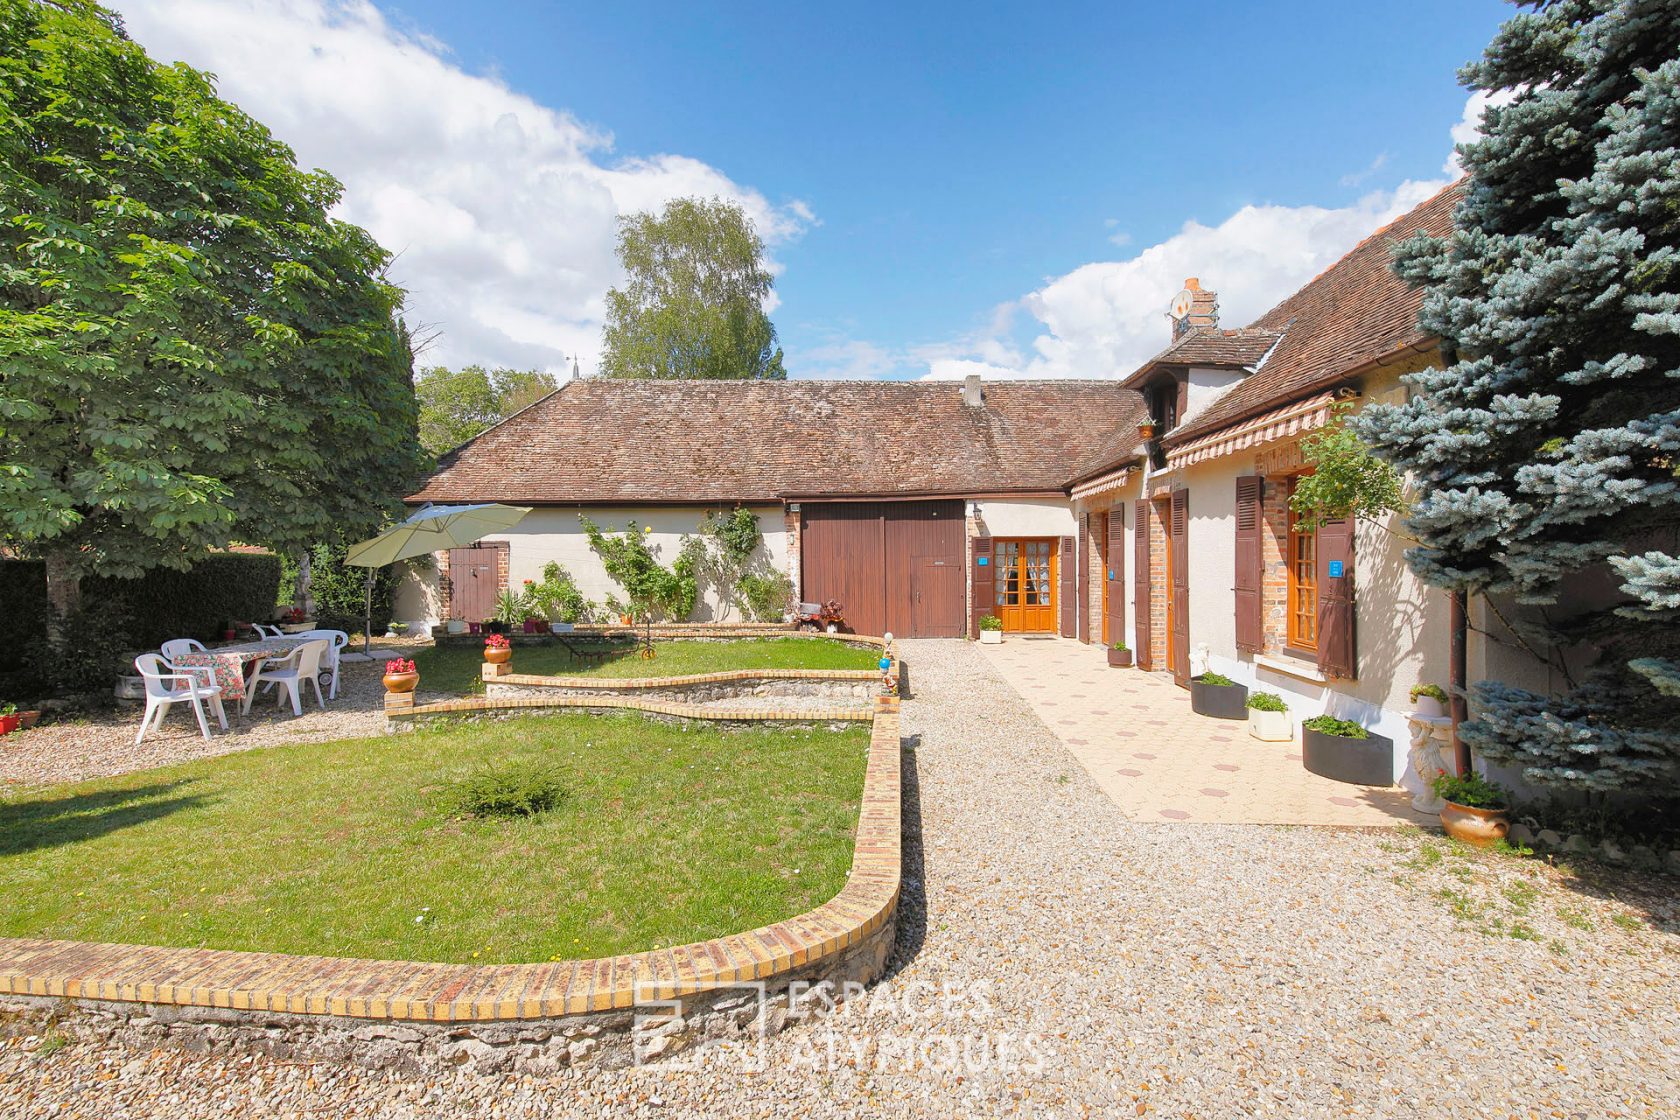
{"x":1114,"y":579}
{"x":1250,"y":629}
{"x":1140,"y":601}
{"x":1179,"y":623}
{"x":1336,"y":638}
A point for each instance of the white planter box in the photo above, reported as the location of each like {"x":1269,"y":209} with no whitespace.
{"x":1270,"y":727}
{"x":991,"y":637}
{"x":1429,"y":706}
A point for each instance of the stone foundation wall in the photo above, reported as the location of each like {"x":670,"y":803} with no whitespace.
{"x":611,"y":1039}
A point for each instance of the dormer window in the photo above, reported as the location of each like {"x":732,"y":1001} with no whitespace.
{"x":1163,"y":405}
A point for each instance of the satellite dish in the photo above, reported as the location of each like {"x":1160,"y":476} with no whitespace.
{"x":1181,"y":303}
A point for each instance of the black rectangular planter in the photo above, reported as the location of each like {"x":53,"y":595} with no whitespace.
{"x":1361,"y":762}
{"x":1221,"y":701}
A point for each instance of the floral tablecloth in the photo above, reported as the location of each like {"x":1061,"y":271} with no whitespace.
{"x":229,"y":662}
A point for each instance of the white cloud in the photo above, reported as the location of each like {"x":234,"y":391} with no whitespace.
{"x":1355,"y":178}
{"x":1105,"y":319}
{"x":1469,"y":126}
{"x":501,"y":210}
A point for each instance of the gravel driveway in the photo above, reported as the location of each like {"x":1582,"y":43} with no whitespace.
{"x":1096,"y":967}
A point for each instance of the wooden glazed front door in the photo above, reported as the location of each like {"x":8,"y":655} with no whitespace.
{"x":1025,"y":572}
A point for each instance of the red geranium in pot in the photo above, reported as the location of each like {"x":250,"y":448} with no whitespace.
{"x":401,"y":675}
{"x":497,"y":649}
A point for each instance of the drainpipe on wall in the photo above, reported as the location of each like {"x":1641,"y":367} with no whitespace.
{"x":1458,"y":623}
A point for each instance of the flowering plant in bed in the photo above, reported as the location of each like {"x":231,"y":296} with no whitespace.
{"x":401,"y":675}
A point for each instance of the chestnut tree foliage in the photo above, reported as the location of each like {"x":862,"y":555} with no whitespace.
{"x":192,"y":350}
{"x":1550,"y":445}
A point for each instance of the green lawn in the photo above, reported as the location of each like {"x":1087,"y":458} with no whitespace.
{"x":666,"y":836}
{"x":455,"y":669}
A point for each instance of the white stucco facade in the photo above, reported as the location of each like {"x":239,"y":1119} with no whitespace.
{"x":556,"y":534}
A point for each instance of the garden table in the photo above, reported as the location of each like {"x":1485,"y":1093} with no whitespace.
{"x":230,"y":663}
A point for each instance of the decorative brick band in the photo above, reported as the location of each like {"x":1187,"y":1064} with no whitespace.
{"x":825,"y":938}
{"x":400,"y":717}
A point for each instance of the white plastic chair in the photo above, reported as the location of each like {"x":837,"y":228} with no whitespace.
{"x":329,"y":663}
{"x":193,"y":685}
{"x":266,"y":631}
{"x":175,"y":647}
{"x":288,"y":673}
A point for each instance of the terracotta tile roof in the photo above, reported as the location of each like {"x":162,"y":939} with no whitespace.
{"x":1199,"y":346}
{"x":1351,"y":314}
{"x":641,"y":442}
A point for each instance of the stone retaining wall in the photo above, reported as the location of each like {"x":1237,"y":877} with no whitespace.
{"x":534,"y":1017}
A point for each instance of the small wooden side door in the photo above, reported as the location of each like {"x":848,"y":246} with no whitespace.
{"x":936,"y":597}
{"x":472,"y":583}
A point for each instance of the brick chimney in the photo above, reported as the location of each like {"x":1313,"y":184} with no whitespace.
{"x":972,"y":395}
{"x":1204,"y":310}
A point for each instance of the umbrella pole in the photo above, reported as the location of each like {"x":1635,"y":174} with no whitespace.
{"x":367,"y":628}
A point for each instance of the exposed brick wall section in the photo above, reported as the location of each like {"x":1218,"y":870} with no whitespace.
{"x":1160,"y":511}
{"x":795,"y":571}
{"x":1096,"y":546}
{"x":1274,"y":576}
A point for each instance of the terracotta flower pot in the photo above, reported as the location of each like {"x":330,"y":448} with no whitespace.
{"x":1120,"y":658}
{"x":28,"y":719}
{"x":499,"y":656}
{"x":1480,"y":827}
{"x":401,"y":682}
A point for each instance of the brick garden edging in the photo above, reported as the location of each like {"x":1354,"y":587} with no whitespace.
{"x":531,"y":1016}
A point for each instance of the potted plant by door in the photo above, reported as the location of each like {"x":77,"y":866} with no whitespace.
{"x":400,"y":675}
{"x":1476,"y":810}
{"x":991,"y":630}
{"x":1218,"y":696}
{"x":1429,"y":700}
{"x":1268,"y":718}
{"x":497,"y":649}
{"x":1344,"y":751}
{"x":1119,"y":657}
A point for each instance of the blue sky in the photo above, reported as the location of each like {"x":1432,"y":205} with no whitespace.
{"x":945,"y":186}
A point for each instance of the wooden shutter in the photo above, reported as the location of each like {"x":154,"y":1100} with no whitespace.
{"x":1250,"y":627}
{"x":1065,"y":585}
{"x":1140,"y":600}
{"x":1180,"y":545}
{"x":985,"y":589}
{"x":1116,"y":574}
{"x":1082,"y":609}
{"x":1336,"y":639}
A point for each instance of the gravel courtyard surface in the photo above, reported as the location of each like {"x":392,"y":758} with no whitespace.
{"x":103,"y":744}
{"x":1058,"y":960}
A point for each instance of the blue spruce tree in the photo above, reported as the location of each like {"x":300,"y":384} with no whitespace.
{"x":1550,"y":446}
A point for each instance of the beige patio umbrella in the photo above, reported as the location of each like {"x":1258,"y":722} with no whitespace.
{"x":430,"y":529}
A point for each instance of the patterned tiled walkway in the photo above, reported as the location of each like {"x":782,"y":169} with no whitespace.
{"x":1136,"y":735}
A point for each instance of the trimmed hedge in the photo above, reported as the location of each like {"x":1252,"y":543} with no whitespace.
{"x":23,"y":611}
{"x":164,"y":604}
